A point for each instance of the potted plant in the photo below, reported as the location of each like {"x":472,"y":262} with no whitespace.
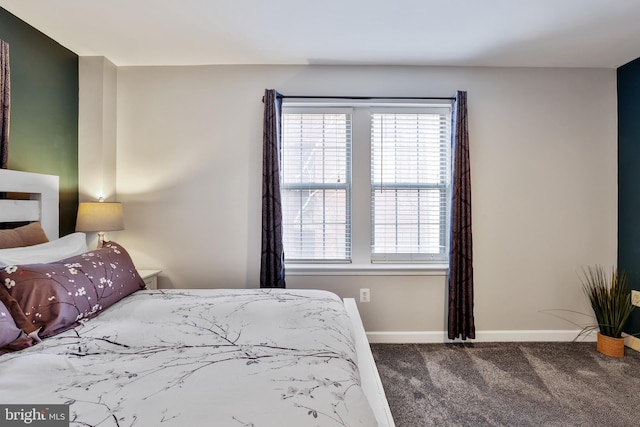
{"x":610,"y":297}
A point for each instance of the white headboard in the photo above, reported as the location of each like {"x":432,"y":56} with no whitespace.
{"x":42,"y":204}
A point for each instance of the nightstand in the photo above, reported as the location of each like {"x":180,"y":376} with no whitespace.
{"x":150,"y":278}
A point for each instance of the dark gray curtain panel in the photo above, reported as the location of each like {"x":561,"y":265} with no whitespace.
{"x":5,"y":97}
{"x":272,"y":259}
{"x":461,"y":322}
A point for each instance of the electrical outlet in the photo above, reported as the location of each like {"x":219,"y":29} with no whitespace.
{"x":365,"y":295}
{"x":635,"y":298}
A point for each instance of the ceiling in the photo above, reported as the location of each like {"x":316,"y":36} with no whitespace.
{"x":537,"y":33}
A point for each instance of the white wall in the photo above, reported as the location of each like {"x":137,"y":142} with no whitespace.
{"x":543,"y":156}
{"x":97,"y":128}
{"x":97,"y":125}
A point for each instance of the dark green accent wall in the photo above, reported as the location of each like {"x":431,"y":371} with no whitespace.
{"x":44,"y":110}
{"x":629,"y":179}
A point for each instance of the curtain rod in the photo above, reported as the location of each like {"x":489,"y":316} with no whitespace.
{"x":435,"y":98}
{"x":367,"y":97}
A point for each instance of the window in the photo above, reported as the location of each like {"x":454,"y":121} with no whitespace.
{"x":365,"y":183}
{"x":316,"y":185}
{"x":410,"y":169}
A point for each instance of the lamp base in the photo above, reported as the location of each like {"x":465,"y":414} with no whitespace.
{"x":100,"y":239}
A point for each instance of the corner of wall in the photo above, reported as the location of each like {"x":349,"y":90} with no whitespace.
{"x":97,"y":128}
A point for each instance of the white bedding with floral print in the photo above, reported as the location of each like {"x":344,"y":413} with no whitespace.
{"x":248,"y":357}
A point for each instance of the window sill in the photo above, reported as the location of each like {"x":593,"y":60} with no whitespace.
{"x":379,"y":269}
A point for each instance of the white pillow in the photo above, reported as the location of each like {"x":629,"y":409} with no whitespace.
{"x":64,"y":247}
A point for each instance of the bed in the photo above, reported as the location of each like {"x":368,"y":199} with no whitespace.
{"x":120,"y":355}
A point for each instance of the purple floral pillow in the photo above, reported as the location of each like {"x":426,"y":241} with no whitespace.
{"x":55,"y":296}
{"x":11,"y":337}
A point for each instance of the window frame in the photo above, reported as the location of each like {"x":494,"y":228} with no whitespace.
{"x":362,"y":259}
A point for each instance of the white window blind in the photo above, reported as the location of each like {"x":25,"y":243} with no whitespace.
{"x":316,"y":185}
{"x":410,"y":176}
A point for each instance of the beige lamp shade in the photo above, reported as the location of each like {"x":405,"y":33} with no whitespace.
{"x":99,"y":216}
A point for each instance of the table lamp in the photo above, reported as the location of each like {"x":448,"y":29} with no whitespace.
{"x":99,"y":216}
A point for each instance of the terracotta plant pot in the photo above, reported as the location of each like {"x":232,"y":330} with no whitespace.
{"x":609,"y":346}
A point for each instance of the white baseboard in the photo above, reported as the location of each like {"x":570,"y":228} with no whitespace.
{"x":426,"y":337}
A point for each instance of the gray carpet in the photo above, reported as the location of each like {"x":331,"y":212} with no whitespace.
{"x":509,"y":384}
